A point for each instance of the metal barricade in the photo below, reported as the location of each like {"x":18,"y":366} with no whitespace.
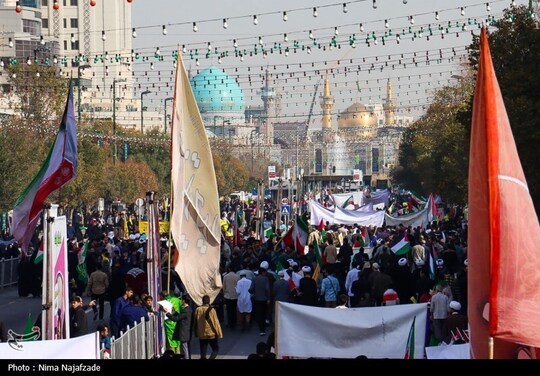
{"x":135,"y":342}
{"x":9,"y":272}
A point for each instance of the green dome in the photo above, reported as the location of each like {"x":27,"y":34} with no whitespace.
{"x":216,"y":91}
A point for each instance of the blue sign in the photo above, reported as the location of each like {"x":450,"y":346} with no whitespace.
{"x":285,"y":209}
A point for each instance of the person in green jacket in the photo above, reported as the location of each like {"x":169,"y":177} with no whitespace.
{"x":170,"y":325}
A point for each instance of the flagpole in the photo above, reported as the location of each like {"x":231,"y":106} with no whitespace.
{"x":171,"y":206}
{"x":275,"y":327}
{"x":490,"y":348}
{"x":46,"y":330}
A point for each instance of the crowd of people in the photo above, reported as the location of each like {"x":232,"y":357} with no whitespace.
{"x":354,"y":272}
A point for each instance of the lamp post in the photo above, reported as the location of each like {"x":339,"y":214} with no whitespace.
{"x":228,"y":122}
{"x":251,"y":143}
{"x":165,"y":116}
{"x":79,"y":68}
{"x":115,"y":81}
{"x":142,"y":109}
{"x":215,"y":126}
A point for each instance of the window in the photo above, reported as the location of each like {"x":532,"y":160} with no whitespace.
{"x":44,"y":3}
{"x":64,"y":2}
{"x":65,"y":23}
{"x":65,"y":45}
{"x":75,"y":45}
{"x":32,"y":27}
{"x":74,"y":22}
{"x":74,"y":3}
{"x":45,"y":23}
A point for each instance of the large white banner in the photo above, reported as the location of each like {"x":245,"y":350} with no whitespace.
{"x":83,"y":347}
{"x":462,"y":351}
{"x":362,"y":218}
{"x":377,"y":332}
{"x":341,"y":198}
{"x":318,"y":213}
{"x":339,"y":216}
{"x":419,"y":218}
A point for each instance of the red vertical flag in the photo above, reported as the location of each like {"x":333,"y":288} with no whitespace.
{"x":504,"y":279}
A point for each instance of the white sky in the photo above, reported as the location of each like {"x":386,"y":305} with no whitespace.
{"x":412,"y":84}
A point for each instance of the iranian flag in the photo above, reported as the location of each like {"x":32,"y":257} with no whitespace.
{"x":409,"y":350}
{"x":59,"y":168}
{"x":401,"y":247}
{"x":349,"y":201}
{"x":297,"y":235}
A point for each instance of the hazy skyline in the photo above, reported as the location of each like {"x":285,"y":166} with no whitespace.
{"x":295,"y":75}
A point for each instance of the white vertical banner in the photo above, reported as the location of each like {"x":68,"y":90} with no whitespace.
{"x":56,"y":320}
{"x":376,"y":332}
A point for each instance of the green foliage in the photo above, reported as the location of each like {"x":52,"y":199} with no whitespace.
{"x":231,"y":173}
{"x":434,"y":150}
{"x":515,"y":50}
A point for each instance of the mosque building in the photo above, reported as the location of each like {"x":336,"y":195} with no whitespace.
{"x":360,"y":137}
{"x":221,"y":102}
{"x":365,"y":137}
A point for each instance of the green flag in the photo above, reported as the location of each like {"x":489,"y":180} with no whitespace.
{"x":28,"y":329}
{"x":82,"y":274}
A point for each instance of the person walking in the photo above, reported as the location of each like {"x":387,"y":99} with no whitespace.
{"x":182,"y":330}
{"x":208,"y":328}
{"x":77,"y":317}
{"x":98,"y":282}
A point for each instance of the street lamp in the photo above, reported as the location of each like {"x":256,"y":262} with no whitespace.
{"x":165,"y":109}
{"x":79,"y":68}
{"x":215,"y":127}
{"x":228,"y":122}
{"x":115,"y":81}
{"x":142,"y":109}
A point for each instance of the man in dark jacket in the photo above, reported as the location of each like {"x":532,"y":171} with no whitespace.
{"x":182,"y":330}
{"x":78,"y":321}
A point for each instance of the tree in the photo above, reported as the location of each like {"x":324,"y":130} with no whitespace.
{"x":515,"y":50}
{"x":231,"y":173}
{"x":433,"y":153}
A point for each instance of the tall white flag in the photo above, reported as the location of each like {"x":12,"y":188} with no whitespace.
{"x":195,"y":211}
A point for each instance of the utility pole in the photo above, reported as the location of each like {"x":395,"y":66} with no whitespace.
{"x":79,"y":68}
{"x":114,"y":116}
{"x":142,"y":109}
{"x":165,"y":114}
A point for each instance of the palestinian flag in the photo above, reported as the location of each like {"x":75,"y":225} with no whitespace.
{"x":409,"y":349}
{"x":402,"y":246}
{"x":59,"y":168}
{"x":39,"y":255}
